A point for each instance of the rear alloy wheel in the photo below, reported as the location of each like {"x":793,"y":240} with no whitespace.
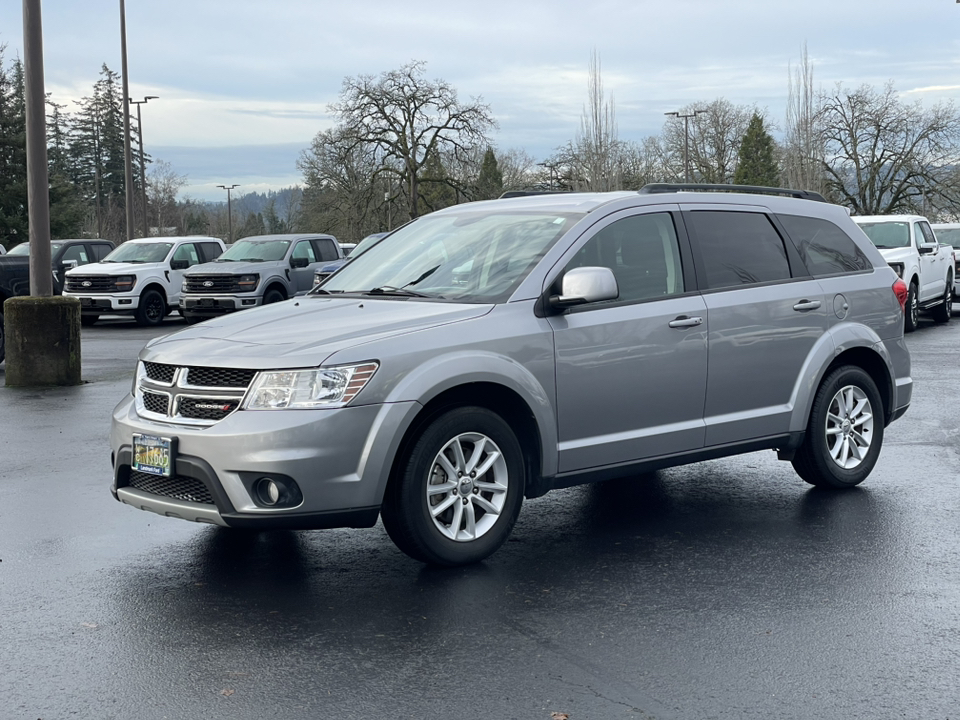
{"x":88,"y":320}
{"x":460,"y":489}
{"x":912,"y":309}
{"x":943,"y":311}
{"x":152,"y":308}
{"x":845,"y":431}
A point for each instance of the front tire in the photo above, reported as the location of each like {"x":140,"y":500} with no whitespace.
{"x":844,"y":432}
{"x":458,"y":490}
{"x":152,"y":308}
{"x":912,"y":314}
{"x":273,"y":296}
{"x":943,"y":311}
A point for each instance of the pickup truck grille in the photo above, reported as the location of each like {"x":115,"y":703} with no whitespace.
{"x":212,"y":284}
{"x":190,"y":395}
{"x":91,"y":283}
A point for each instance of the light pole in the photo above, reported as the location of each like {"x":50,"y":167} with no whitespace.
{"x":686,"y":139}
{"x":228,"y":188}
{"x":143,"y":171}
{"x":127,"y":165}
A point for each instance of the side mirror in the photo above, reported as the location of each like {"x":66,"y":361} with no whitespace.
{"x":299,"y":262}
{"x":926,"y":249}
{"x":179,"y":264}
{"x":70,"y":264}
{"x":586,"y":285}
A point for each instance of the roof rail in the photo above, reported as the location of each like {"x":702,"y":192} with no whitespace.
{"x":655,"y":188}
{"x":526,"y":193}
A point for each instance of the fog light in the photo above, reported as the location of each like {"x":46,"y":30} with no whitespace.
{"x":268,"y":491}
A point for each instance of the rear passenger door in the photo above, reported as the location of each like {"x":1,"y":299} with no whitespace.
{"x":631,"y":373}
{"x":765,"y":313}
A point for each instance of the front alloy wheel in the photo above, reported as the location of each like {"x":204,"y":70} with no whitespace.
{"x":457,"y":490}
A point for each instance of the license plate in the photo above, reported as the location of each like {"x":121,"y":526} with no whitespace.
{"x":86,"y":302}
{"x":153,"y":455}
{"x":207,"y":302}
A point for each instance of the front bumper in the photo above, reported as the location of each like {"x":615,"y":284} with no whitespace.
{"x":113,"y":304}
{"x":214,"y":305}
{"x":339,"y":459}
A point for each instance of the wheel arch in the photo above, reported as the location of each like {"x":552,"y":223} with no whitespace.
{"x":499,"y":399}
{"x":275,"y":283}
{"x":158,"y":286}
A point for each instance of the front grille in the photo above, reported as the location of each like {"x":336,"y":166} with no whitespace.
{"x":212,"y":284}
{"x":219,"y":377}
{"x":91,"y":283}
{"x":156,"y":403}
{"x":206,"y":409}
{"x":179,"y":487}
{"x":160,"y":373}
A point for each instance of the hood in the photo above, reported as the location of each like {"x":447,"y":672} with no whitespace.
{"x":902,"y":255}
{"x":302,"y":332}
{"x":112,"y":268}
{"x":232,"y":268}
{"x":15,"y":261}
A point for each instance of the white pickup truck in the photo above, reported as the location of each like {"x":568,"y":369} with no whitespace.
{"x":910,"y":247}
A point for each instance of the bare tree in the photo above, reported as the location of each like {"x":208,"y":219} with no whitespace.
{"x":162,"y":190}
{"x":884,"y":156}
{"x":803,"y":156}
{"x":406,"y":118}
{"x":716,"y":130}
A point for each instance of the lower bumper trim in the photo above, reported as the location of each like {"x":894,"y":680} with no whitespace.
{"x":170,"y":508}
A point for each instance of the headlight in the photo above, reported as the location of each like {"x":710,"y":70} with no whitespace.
{"x":126,"y":282}
{"x":245,"y":283}
{"x":307,"y":389}
{"x":898,"y":268}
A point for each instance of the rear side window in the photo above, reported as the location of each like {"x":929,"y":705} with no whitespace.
{"x":326,"y":250}
{"x":738,"y":248}
{"x":101,"y":251}
{"x":211,"y":251}
{"x":824,"y":248}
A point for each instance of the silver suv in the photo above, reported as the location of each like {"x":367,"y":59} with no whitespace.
{"x":497,"y":350}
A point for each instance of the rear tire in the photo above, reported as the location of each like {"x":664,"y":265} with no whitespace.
{"x":88,"y":320}
{"x":943,"y":311}
{"x":912,"y":310}
{"x":844,"y":432}
{"x":151,"y":309}
{"x":458,"y":490}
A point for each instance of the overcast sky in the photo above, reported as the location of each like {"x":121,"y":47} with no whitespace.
{"x":245,"y":85}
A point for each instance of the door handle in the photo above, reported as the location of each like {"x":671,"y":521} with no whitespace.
{"x":806,"y":305}
{"x":684,"y":321}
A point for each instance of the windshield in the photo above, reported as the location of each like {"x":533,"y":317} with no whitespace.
{"x":948,"y":236}
{"x":470,"y":256}
{"x":23,"y":249}
{"x":887,"y":235}
{"x":368,"y":242}
{"x":139,"y":253}
{"x":255,"y":251}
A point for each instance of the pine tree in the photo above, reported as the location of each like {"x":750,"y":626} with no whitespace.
{"x":756,"y":163}
{"x":13,"y":155}
{"x":490,"y":181}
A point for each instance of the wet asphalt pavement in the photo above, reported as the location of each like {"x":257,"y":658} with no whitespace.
{"x":727,"y":589}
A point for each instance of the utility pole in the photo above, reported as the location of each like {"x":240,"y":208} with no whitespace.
{"x":228,"y":188}
{"x":686,"y":139}
{"x":143,"y":171}
{"x":38,"y":188}
{"x":127,"y":165}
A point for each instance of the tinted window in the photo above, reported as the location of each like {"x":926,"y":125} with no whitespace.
{"x":643,"y":253}
{"x":210,"y":250}
{"x":824,"y":248}
{"x":101,"y":250}
{"x":326,"y":250}
{"x":738,"y":248}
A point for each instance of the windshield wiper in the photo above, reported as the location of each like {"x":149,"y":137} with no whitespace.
{"x":221,"y":259}
{"x":400,"y":292}
{"x":424,"y":276}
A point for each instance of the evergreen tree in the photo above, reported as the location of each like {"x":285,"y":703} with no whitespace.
{"x":436,"y":191}
{"x":490,"y":181}
{"x":13,"y":155}
{"x":757,"y":163}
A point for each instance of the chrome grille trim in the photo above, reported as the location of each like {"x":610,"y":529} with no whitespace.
{"x":97,"y":283}
{"x":182,"y":399}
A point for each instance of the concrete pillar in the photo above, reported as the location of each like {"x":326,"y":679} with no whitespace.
{"x":42,"y":338}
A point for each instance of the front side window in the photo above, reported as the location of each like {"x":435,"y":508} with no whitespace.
{"x":77,"y":253}
{"x":252,"y":250}
{"x":304,"y":249}
{"x":928,"y":237}
{"x":643,"y":253}
{"x":465,"y":256}
{"x":140,"y":253}
{"x":188,"y":252}
{"x":824,"y":248}
{"x":887,"y":235}
{"x":738,"y":248}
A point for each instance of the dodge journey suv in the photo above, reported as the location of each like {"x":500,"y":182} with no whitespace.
{"x":496,"y":350}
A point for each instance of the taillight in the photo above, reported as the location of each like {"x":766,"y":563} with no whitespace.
{"x":900,"y":290}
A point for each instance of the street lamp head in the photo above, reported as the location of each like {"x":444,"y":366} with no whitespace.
{"x":674,"y":114}
{"x":225,"y":187}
